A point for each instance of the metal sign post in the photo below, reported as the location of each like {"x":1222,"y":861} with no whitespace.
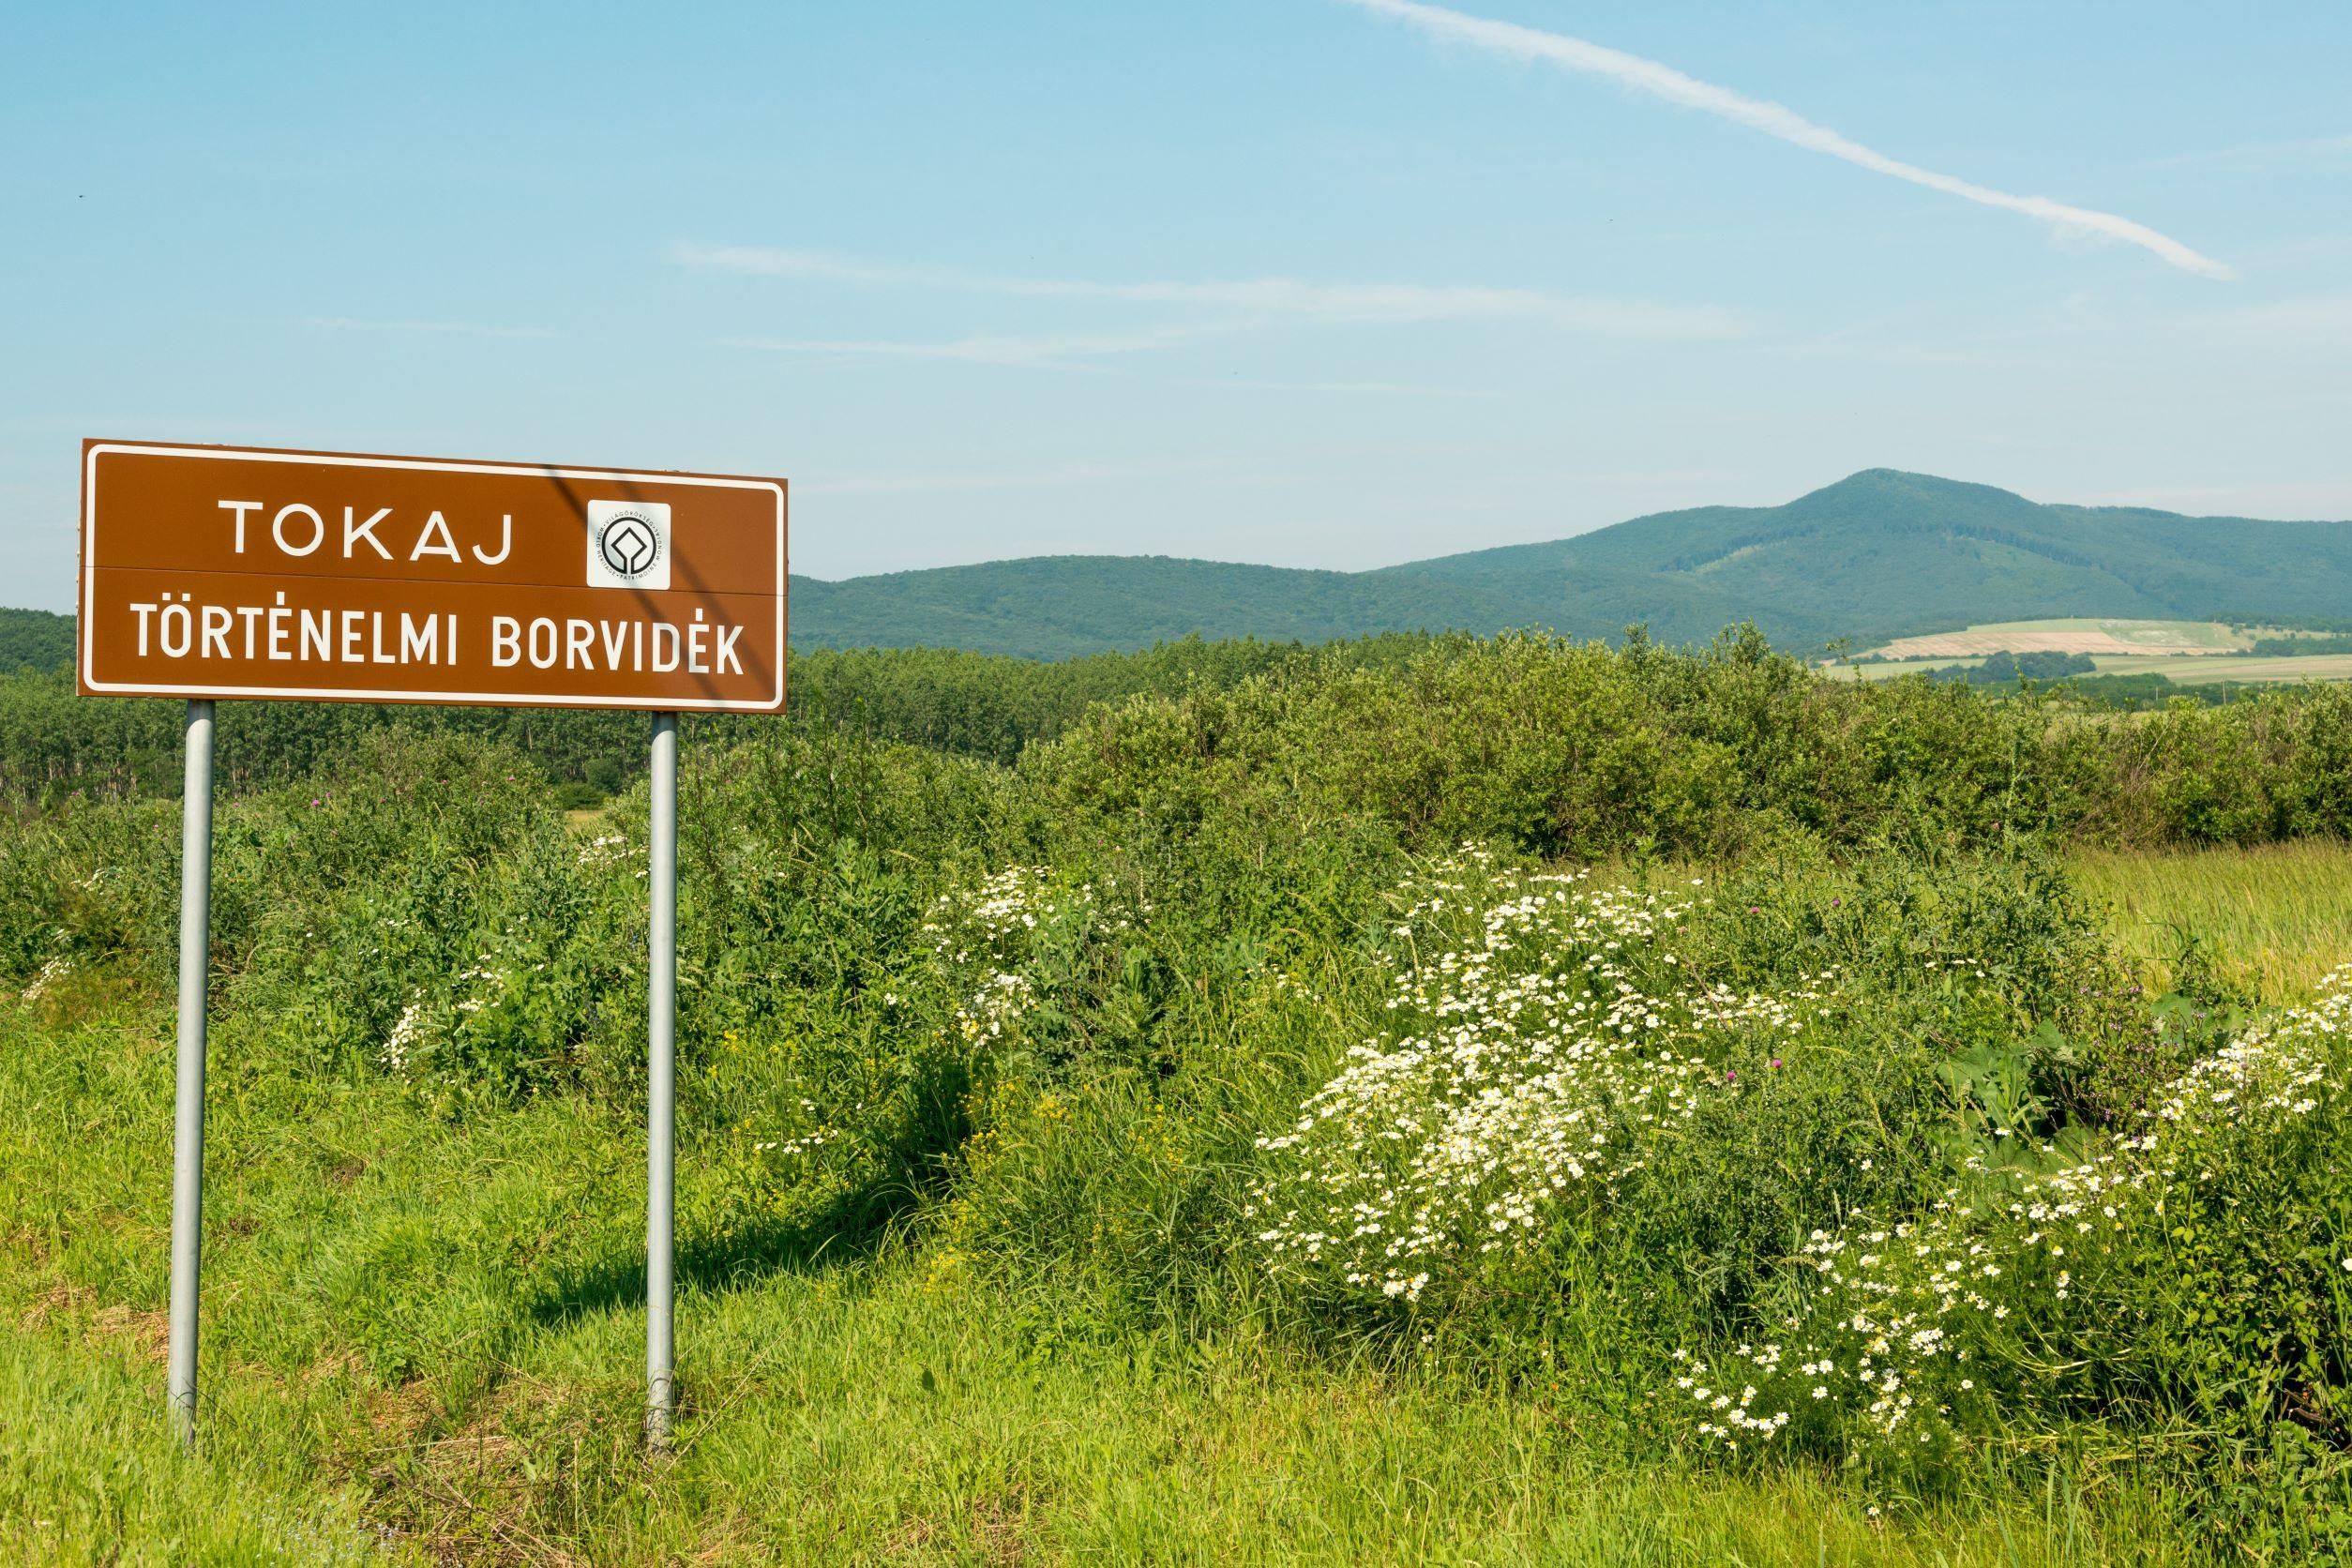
{"x":187,"y":1110}
{"x":661,"y":993}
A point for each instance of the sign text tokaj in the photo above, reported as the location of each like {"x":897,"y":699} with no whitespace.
{"x":230,"y":572}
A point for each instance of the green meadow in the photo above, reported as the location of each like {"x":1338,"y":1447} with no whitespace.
{"x":1484,"y":1101}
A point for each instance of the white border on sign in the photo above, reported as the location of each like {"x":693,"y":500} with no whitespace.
{"x":89,"y":578}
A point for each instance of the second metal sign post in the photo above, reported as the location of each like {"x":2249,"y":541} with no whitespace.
{"x":661,"y":1084}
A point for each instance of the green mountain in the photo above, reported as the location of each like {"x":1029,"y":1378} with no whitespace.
{"x":1057,"y":606}
{"x":1878,"y":555}
{"x":1887,"y":554}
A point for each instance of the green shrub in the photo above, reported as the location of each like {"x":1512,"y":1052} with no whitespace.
{"x":2192,"y":1278}
{"x":1193,"y":1013}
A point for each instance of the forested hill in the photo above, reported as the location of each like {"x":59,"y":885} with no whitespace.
{"x":1889,"y":555}
{"x":35,"y":639}
{"x":1059,"y":606}
{"x":1878,"y":555}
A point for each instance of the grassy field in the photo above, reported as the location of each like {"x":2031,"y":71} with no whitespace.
{"x":1222,"y":1128}
{"x":876,"y":1408}
{"x":2271,"y":920}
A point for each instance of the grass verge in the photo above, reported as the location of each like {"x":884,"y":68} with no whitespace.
{"x":422,"y":1337}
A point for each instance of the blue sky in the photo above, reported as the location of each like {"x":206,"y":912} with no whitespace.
{"x":1301,"y":281}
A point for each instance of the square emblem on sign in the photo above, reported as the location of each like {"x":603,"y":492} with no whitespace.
{"x":628,"y":544}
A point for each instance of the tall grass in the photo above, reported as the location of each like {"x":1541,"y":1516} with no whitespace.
{"x":88,"y":1475}
{"x":2270,"y":920}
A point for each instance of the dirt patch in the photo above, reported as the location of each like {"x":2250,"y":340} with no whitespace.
{"x":725,"y":1542}
{"x":58,"y":1301}
{"x":918,"y":1537}
{"x":149,"y":1334}
{"x":998,"y":1527}
{"x":481,"y":1459}
{"x":399,"y":1413}
{"x":482,"y":1490}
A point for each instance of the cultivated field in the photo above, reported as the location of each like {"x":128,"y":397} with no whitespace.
{"x":2189,"y":653}
{"x":2205,"y":671}
{"x":1235,"y":1129}
{"x":2096,"y":637}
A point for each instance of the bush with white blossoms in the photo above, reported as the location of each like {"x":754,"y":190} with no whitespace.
{"x":832,"y":1085}
{"x":1016,"y":945}
{"x":52,"y":972}
{"x":609,"y":850}
{"x":982,"y":936}
{"x":478,"y":1010}
{"x":1545,"y":1034}
{"x":2193,"y":1267}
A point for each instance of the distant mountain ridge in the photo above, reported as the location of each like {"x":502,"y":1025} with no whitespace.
{"x":1878,"y":555}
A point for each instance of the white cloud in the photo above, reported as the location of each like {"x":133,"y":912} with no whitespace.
{"x":2266,"y":157}
{"x":1042,"y":350}
{"x":930,"y":484}
{"x":1071,"y":351}
{"x":2295,"y":321}
{"x":459,"y":329}
{"x":1260,"y":299}
{"x":1345,"y":388}
{"x":1649,"y":76}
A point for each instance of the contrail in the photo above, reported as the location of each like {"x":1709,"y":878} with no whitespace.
{"x":1649,"y":76}
{"x":1262,"y":299}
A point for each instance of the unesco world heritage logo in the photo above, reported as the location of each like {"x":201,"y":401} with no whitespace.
{"x":628,"y":544}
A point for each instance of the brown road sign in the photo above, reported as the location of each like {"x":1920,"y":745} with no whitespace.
{"x":217,"y":571}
